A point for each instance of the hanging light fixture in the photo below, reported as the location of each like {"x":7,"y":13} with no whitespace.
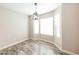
{"x":35,"y":15}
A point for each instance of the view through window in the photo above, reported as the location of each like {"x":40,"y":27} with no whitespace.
{"x":46,"y":26}
{"x":36,"y":27}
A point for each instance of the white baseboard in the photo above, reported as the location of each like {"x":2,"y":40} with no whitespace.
{"x":71,"y":53}
{"x":9,"y":45}
{"x":65,"y":51}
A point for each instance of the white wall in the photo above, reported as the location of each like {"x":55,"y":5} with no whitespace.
{"x":78,"y":28}
{"x":70,"y":27}
{"x":13,"y":27}
{"x":58,"y":40}
{"x":30,"y":27}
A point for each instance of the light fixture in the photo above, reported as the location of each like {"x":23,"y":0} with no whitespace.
{"x":35,"y":15}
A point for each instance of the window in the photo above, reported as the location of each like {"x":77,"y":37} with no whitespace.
{"x":46,"y":26}
{"x":57,"y":25}
{"x":36,"y":27}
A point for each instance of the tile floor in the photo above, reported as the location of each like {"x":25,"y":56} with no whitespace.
{"x":31,"y":47}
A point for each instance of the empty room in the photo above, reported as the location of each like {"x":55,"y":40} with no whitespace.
{"x":39,"y":29}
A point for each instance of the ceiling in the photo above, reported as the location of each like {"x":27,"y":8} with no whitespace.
{"x":29,"y":8}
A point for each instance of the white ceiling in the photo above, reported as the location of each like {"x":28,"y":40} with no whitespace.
{"x":28,"y":8}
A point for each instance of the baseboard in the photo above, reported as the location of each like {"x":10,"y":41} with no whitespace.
{"x":24,"y":39}
{"x":65,"y":51}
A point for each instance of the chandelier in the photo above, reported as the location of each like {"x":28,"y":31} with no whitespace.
{"x":35,"y":14}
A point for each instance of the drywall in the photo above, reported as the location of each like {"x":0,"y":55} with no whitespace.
{"x":30,"y":26}
{"x":58,"y":40}
{"x":78,"y":28}
{"x":13,"y":27}
{"x":69,"y":27}
{"x":69,"y":39}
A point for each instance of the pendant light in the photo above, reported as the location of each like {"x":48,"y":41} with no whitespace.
{"x":35,"y":15}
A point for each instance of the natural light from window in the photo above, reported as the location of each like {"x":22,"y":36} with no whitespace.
{"x":57,"y":25}
{"x":46,"y":26}
{"x":36,"y":27}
